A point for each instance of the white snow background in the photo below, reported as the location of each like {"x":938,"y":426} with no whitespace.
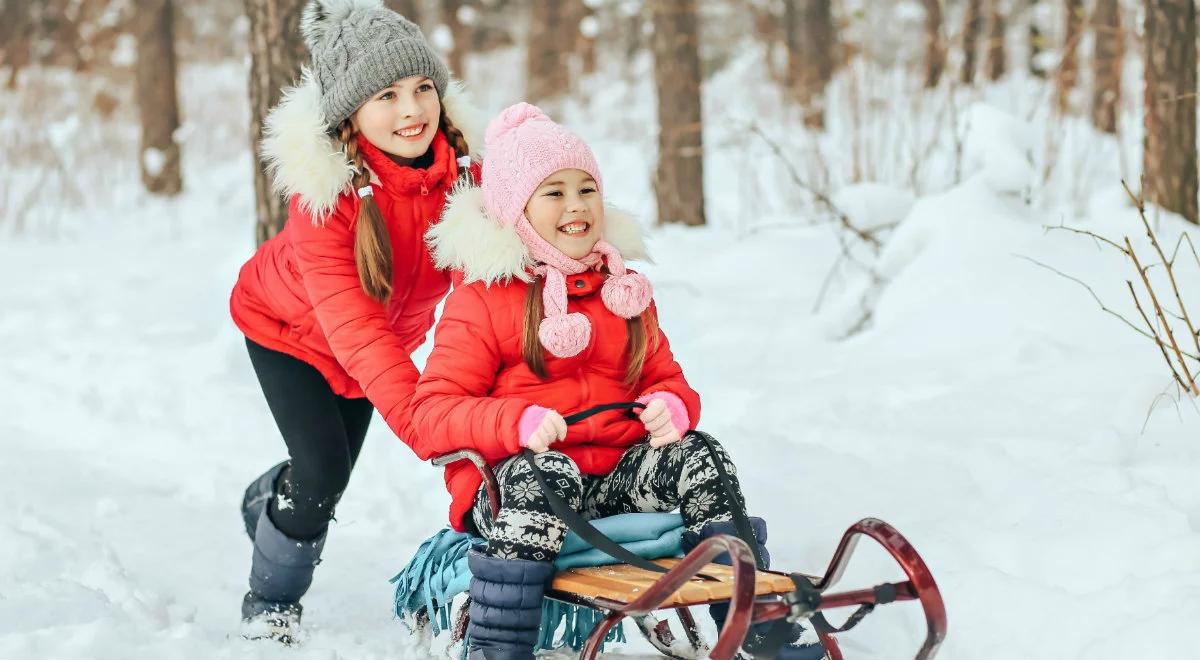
{"x":1030,"y":445}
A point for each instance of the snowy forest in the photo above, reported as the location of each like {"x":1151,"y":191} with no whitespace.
{"x":926,"y":261}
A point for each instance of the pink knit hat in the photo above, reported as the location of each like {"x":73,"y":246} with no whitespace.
{"x":523,"y":147}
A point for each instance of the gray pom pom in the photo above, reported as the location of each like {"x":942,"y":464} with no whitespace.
{"x":320,"y":15}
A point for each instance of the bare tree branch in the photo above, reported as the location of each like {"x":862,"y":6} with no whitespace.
{"x":1162,"y":348}
{"x":1141,"y":207}
{"x":1095,"y":297}
{"x":1084,"y":232}
{"x":1162,"y":319}
{"x":867,"y":237}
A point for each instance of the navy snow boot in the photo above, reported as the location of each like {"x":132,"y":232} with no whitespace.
{"x":280,"y":573}
{"x":792,"y":650}
{"x":258,"y":496}
{"x":506,"y":606}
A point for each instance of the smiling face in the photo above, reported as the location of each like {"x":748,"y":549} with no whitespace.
{"x":567,"y":210}
{"x":401,"y":119}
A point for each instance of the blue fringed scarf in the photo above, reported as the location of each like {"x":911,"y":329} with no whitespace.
{"x":438,"y":572}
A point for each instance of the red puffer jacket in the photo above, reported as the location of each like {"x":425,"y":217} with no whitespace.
{"x":300,"y":293}
{"x":476,"y":384}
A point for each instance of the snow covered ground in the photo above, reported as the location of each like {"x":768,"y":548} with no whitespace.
{"x":988,"y":409}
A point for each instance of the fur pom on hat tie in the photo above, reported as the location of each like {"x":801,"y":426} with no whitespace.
{"x":624,"y":293}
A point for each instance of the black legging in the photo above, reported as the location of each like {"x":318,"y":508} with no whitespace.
{"x":324,"y":433}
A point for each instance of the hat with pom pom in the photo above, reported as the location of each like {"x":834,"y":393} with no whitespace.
{"x":360,"y":47}
{"x":523,"y":147}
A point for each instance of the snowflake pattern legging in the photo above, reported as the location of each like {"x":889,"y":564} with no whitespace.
{"x":680,"y":475}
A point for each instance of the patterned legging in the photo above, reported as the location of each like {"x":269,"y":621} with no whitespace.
{"x":680,"y":475}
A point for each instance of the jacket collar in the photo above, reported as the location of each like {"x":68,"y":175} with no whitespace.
{"x":402,"y":179}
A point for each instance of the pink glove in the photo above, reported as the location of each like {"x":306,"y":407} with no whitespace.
{"x":665,"y":418}
{"x":540,"y":427}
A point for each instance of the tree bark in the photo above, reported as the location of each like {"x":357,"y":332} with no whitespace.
{"x":406,"y":8}
{"x":1107,"y":60}
{"x":1068,"y":66}
{"x":1169,"y":176}
{"x":460,"y":34}
{"x":15,"y":22}
{"x":1036,"y":41}
{"x":811,"y":48}
{"x":157,"y":97}
{"x":935,"y":44}
{"x":546,"y":62}
{"x":997,"y":55}
{"x":276,"y":53}
{"x":582,"y":42}
{"x":679,"y":176}
{"x":972,"y":26}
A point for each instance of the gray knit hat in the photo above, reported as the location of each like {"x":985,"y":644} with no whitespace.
{"x":358,"y":48}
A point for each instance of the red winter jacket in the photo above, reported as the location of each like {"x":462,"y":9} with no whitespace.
{"x":300,"y":294}
{"x":476,"y":384}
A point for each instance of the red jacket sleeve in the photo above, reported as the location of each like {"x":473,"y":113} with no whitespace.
{"x":355,"y":325}
{"x":661,"y":373}
{"x":451,"y":408}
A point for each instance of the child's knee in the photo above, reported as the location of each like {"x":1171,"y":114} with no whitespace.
{"x":562,"y":475}
{"x":558,"y":464}
{"x":693,"y":445}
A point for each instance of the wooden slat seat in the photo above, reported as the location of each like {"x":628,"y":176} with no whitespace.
{"x":623,"y":583}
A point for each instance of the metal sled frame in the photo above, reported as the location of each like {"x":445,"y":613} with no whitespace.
{"x":746,"y":606}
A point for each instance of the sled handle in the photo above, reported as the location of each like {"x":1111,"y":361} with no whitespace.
{"x":489,"y":477}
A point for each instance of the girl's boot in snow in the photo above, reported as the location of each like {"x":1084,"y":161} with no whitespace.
{"x":506,"y":606}
{"x":258,"y":496}
{"x":280,"y":574}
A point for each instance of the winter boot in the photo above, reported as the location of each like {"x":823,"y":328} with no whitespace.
{"x":755,"y":638}
{"x":506,"y":606}
{"x":280,"y":573}
{"x":258,"y":496}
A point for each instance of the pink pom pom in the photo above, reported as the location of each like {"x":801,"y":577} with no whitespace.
{"x":512,"y":117}
{"x":565,"y":335}
{"x":627,"y":295}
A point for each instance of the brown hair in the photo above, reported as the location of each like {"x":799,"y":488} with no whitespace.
{"x":638,"y":329}
{"x":372,"y":245}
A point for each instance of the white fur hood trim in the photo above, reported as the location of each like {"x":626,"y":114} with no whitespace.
{"x":304,"y":160}
{"x":467,"y":239}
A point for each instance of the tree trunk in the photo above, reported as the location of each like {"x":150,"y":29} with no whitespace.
{"x":972,"y":26}
{"x":1169,"y":158}
{"x":1036,"y":41}
{"x":679,"y":177}
{"x":634,"y":37}
{"x":460,"y":34}
{"x":935,"y":44}
{"x":61,"y":33}
{"x":156,"y":96}
{"x":1068,"y":66}
{"x":546,"y":62}
{"x":581,"y":34}
{"x":811,"y":47}
{"x":406,"y":8}
{"x":1107,"y":60}
{"x":996,"y":63}
{"x":276,"y":53}
{"x":15,"y":22}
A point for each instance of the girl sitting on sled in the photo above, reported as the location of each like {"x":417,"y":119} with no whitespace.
{"x":549,"y":320}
